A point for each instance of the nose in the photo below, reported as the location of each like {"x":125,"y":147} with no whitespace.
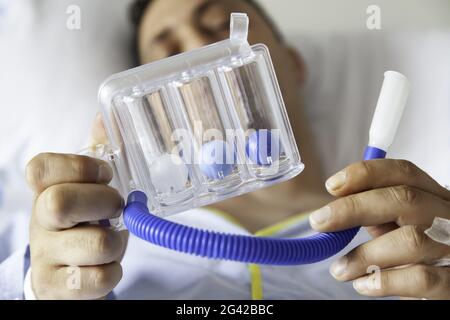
{"x":193,"y":38}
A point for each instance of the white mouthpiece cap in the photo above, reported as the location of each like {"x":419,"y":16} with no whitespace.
{"x":391,"y":102}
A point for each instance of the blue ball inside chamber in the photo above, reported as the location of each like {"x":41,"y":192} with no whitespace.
{"x":260,"y":148}
{"x":218,"y":159}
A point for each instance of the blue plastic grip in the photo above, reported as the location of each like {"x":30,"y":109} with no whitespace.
{"x":373,"y":153}
{"x":216,"y":245}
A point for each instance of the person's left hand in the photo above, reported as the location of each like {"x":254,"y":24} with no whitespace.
{"x":396,"y":201}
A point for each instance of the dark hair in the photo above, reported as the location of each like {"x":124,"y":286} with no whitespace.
{"x":138,"y":7}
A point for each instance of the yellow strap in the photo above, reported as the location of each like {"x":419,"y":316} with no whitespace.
{"x":256,"y":283}
{"x":271,"y":230}
{"x":226,"y":216}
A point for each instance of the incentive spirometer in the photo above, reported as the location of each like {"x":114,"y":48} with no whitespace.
{"x":210,"y":124}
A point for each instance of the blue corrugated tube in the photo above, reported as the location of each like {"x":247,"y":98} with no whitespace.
{"x":216,"y":245}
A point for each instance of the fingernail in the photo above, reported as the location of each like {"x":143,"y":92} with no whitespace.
{"x":104,"y":172}
{"x":320,"y":216}
{"x":360,"y":285}
{"x":335,"y":182}
{"x":338,"y":267}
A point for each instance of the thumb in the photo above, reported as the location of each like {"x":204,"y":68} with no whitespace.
{"x":98,"y":132}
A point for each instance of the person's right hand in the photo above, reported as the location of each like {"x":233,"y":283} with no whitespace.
{"x":71,"y":259}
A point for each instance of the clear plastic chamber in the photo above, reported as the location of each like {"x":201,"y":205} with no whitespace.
{"x":199,"y":127}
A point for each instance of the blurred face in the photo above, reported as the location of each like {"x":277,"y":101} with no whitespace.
{"x":169,"y":27}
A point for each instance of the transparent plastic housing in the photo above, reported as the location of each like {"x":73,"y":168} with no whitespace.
{"x":199,"y":127}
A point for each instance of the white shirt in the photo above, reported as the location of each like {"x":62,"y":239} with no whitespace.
{"x":49,"y":81}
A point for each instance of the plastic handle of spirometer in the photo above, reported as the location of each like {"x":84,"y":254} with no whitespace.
{"x":276,"y":251}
